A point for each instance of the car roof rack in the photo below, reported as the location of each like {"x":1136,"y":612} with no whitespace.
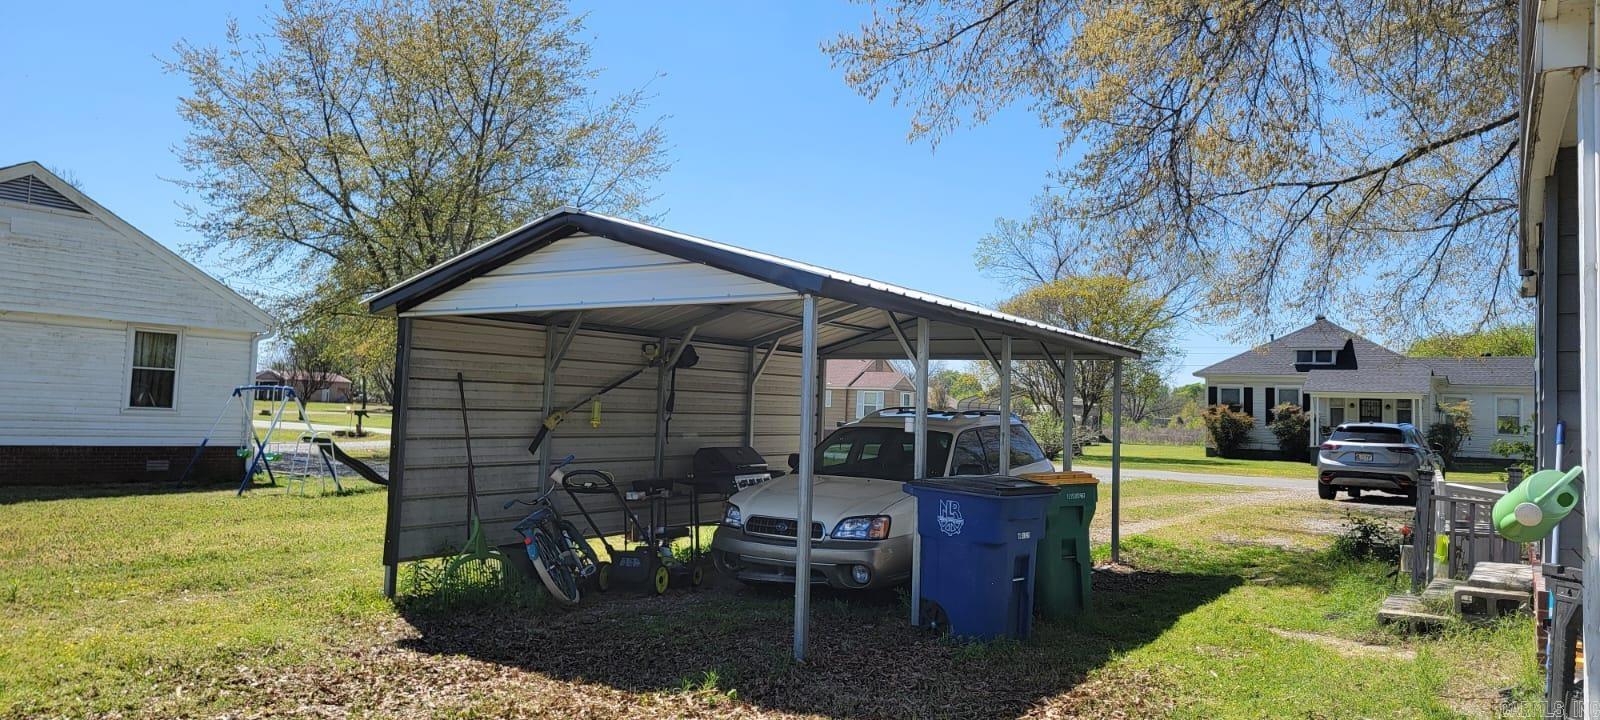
{"x":946,"y":414}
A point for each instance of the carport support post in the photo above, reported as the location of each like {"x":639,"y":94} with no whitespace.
{"x":1005,"y":404}
{"x":1068,"y":371}
{"x":808,"y":422}
{"x":1116,"y":461}
{"x":919,"y":429}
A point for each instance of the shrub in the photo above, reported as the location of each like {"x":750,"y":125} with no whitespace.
{"x":1046,"y":427}
{"x":1292,"y":426}
{"x":1227,"y":428}
{"x":1520,"y":451}
{"x":1450,"y":433}
{"x":1363,"y":538}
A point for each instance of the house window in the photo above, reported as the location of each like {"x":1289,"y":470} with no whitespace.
{"x":1314,"y":357}
{"x":1508,"y":415}
{"x":827,"y":399}
{"x":155,"y":369}
{"x":1403,"y":411}
{"x":1289,"y":395}
{"x":868,"y":402}
{"x":1233,"y":397}
{"x":907,"y":399}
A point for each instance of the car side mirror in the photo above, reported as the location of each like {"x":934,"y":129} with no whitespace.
{"x":969,"y":469}
{"x":1436,"y":447}
{"x":794,"y":462}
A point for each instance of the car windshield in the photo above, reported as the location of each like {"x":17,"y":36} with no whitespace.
{"x":884,"y":453}
{"x":1368,"y":434}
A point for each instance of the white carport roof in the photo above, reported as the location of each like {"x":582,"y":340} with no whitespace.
{"x":615,"y":290}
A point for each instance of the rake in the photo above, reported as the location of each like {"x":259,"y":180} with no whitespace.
{"x":479,"y":564}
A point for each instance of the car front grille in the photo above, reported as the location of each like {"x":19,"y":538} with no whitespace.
{"x":778,"y":527}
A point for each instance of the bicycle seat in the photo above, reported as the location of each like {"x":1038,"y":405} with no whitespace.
{"x":596,"y":482}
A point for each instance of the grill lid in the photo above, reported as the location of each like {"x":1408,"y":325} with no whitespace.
{"x":728,"y":460}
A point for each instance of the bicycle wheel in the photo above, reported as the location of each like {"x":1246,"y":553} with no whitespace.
{"x":557,"y":577}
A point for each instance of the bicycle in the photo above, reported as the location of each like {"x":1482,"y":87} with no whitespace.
{"x":560,"y":555}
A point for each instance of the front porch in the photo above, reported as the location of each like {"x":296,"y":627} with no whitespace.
{"x":1330,"y":410}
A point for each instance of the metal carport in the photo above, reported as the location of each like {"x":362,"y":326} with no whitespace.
{"x":545,"y":313}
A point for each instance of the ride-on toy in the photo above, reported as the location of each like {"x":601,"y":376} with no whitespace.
{"x":648,"y":564}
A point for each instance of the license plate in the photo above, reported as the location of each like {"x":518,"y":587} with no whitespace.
{"x":741,"y":482}
{"x":1363,"y":457}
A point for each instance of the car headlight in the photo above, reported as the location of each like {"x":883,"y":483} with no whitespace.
{"x":870,"y":527}
{"x":731,"y":516}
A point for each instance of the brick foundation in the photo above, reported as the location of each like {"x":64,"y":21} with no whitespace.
{"x":90,"y":465}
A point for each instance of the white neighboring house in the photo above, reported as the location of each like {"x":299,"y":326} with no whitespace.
{"x":1343,"y":377}
{"x":116,"y":355}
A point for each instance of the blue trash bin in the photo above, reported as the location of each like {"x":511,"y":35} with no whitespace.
{"x":979,"y":536}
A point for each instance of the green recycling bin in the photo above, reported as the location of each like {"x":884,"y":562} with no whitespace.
{"x":1061,"y":575}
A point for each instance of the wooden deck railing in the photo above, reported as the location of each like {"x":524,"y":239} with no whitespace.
{"x":1461,"y":515}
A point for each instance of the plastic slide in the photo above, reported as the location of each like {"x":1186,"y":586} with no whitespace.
{"x":361,"y":468}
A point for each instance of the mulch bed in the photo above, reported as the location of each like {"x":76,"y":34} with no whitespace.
{"x":719,"y":653}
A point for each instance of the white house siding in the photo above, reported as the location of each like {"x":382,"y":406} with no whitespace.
{"x":589,"y":271}
{"x":64,"y":381}
{"x":59,"y":262}
{"x":1261,"y":437}
{"x":1480,"y":443}
{"x":503,"y":364}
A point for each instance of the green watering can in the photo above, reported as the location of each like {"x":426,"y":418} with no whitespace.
{"x":1528,"y":512}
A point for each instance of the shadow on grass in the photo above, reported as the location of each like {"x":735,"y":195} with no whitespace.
{"x":866,"y":661}
{"x":11,"y":495}
{"x":1220,"y":466}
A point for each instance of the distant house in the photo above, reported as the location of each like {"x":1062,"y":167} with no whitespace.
{"x":116,"y":355}
{"x":857,"y":388}
{"x":1341,"y":377}
{"x":330,"y":387}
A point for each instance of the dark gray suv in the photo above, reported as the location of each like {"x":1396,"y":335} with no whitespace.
{"x":1375,"y":456}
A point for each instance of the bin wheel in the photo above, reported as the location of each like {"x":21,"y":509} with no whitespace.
{"x":661,"y":580}
{"x":602,"y":576}
{"x":934,"y":617}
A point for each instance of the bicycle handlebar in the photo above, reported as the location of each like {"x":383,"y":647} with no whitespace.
{"x":563,"y":462}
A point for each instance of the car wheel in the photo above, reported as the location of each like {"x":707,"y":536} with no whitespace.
{"x":1354,"y":493}
{"x":1326,"y":491}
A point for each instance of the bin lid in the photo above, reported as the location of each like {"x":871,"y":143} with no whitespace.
{"x":995,"y":485}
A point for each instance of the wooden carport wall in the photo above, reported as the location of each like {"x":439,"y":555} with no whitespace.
{"x":516,"y":291}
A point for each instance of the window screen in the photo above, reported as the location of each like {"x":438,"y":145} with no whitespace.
{"x":1508,"y":416}
{"x":155,"y":369}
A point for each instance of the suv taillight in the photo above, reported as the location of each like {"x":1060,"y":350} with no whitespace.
{"x":1403,"y":449}
{"x":1330,"y":446}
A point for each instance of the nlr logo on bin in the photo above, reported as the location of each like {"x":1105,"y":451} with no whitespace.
{"x":950,"y":520}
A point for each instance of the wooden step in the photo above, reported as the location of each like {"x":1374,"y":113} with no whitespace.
{"x":1410,"y":610}
{"x":1503,"y":576}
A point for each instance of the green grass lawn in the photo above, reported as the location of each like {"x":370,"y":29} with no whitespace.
{"x":203,"y":604}
{"x":1192,"y":458}
{"x":330,"y":415}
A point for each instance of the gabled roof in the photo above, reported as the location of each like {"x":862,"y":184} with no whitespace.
{"x":1514,"y":371}
{"x":843,"y":372}
{"x":857,"y":308}
{"x":1361,"y":365}
{"x":1390,"y":374}
{"x":878,"y":380}
{"x":292,"y":375}
{"x":30,"y":183}
{"x":1278,"y":357}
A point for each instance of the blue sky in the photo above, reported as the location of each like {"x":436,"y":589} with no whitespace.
{"x":769,"y":148}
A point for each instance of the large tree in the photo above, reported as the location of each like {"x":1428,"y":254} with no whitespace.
{"x":1500,"y":340}
{"x":1283,"y":153}
{"x":353,"y":144}
{"x":1107,"y":306}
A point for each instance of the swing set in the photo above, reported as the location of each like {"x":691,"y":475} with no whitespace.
{"x":309,"y":447}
